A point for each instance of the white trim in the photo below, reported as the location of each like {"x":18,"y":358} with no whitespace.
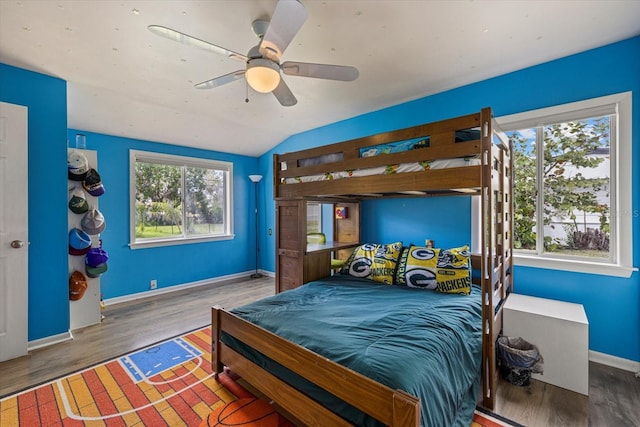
{"x":176,"y":160}
{"x":614,"y":361}
{"x":183,"y":241}
{"x":622,"y":212}
{"x":50,"y":340}
{"x":176,"y":288}
{"x":579,"y":110}
{"x":268,"y":273}
{"x":577,"y":266}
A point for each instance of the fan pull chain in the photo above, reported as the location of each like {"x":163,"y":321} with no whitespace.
{"x":246,"y":99}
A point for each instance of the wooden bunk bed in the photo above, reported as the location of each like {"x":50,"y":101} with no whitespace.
{"x":489,"y":176}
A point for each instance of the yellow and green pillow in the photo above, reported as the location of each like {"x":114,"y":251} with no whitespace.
{"x":442,"y":270}
{"x":374,"y":261}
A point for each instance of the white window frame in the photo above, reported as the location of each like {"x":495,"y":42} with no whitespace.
{"x":170,"y":159}
{"x":622,"y":213}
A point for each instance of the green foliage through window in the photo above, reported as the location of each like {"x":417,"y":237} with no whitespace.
{"x":562,"y":187}
{"x":178,"y":200}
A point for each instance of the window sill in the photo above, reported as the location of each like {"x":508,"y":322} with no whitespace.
{"x":577,"y":266}
{"x":173,"y":242}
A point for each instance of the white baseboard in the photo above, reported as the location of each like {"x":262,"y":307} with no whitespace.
{"x":614,"y":361}
{"x":50,"y":340}
{"x":175,"y":288}
{"x":268,"y":273}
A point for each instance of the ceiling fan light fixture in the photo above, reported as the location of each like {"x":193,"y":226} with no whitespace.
{"x":263,"y":75}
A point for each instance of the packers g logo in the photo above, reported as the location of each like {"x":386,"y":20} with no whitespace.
{"x":368,"y":247}
{"x":360,"y":267}
{"x":423,"y":254}
{"x":421,"y":278}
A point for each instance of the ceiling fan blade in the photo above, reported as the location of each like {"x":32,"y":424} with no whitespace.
{"x":284,"y":95}
{"x":320,"y":71}
{"x":196,"y":42}
{"x":222,"y":80}
{"x":286,"y":21}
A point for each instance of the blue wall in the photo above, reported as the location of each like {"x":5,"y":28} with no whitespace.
{"x":612,"y":304}
{"x":46,"y":100}
{"x":414,"y":220}
{"x":131,"y":270}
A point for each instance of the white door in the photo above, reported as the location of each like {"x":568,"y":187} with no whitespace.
{"x":14,"y":243}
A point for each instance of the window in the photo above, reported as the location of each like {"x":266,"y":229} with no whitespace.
{"x":314,"y":217}
{"x":572,"y":188}
{"x":177,"y":200}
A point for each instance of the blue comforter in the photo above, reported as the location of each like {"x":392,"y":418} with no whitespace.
{"x":426,"y":343}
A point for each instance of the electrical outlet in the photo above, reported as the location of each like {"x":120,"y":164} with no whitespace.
{"x":153,"y":284}
{"x":270,"y":232}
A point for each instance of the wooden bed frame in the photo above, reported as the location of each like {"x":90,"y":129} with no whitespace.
{"x":491,"y":180}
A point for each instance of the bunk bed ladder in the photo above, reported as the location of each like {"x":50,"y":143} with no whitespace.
{"x":497,"y":256}
{"x":492,"y":265}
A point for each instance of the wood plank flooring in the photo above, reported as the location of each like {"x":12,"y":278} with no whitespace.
{"x":130,"y":326}
{"x":614,"y":395}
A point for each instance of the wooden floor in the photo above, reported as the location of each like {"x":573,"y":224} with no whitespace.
{"x":130,"y":326}
{"x":614,"y":395}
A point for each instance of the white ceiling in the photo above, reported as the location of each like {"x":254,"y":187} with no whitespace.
{"x":124,"y":80}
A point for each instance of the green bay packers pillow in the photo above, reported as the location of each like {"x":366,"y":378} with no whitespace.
{"x":374,"y":261}
{"x":442,"y":270}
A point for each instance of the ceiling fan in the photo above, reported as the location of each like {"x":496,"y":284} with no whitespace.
{"x":263,"y":65}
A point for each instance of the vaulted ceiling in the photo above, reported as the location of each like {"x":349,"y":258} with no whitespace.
{"x":124,"y":80}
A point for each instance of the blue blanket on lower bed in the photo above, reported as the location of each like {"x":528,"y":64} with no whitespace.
{"x":426,"y":343}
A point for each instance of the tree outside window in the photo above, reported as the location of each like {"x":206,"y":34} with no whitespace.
{"x":562,"y":182}
{"x":204,"y":201}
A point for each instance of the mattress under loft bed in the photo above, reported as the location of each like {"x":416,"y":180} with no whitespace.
{"x":491,"y":179}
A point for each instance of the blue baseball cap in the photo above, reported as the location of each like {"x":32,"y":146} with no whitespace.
{"x":79,"y":242}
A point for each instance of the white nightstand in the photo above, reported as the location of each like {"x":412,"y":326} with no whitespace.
{"x":560,"y":330}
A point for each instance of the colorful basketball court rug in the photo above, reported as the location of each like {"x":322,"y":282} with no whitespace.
{"x":166,"y":384}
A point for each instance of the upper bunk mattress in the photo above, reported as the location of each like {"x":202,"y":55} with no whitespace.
{"x":388,"y":169}
{"x":426,"y":343}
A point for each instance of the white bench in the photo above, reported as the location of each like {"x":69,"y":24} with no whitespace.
{"x":560,"y":330}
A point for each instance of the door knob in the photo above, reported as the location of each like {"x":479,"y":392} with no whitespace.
{"x":17,"y":244}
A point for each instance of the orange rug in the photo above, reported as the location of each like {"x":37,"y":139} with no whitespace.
{"x":167,"y":384}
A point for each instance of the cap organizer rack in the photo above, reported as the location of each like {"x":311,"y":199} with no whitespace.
{"x":85,"y":311}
